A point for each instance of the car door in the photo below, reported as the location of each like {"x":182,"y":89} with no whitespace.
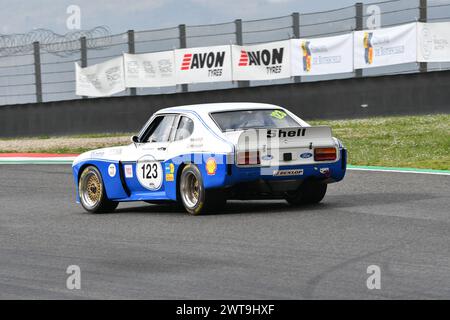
{"x":151,"y":153}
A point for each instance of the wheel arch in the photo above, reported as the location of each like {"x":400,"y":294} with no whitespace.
{"x":178,"y":176}
{"x":84,"y":166}
{"x":80,"y":171}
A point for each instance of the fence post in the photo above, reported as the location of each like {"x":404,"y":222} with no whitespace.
{"x":83,"y":51}
{"x":131,"y":49}
{"x":359,"y":11}
{"x":296,"y":32}
{"x":240,"y":42}
{"x":423,"y":66}
{"x":37,"y":71}
{"x":183,"y":44}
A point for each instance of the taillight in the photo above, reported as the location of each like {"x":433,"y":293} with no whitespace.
{"x":325,"y":154}
{"x":248,"y":158}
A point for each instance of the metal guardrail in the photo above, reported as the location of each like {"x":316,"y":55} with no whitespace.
{"x":36,"y":72}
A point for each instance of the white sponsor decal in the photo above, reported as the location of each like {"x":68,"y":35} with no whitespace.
{"x":292,"y":172}
{"x":112,"y":170}
{"x":149,"y":172}
{"x":115,"y":152}
{"x":95,"y":154}
{"x":128,"y":171}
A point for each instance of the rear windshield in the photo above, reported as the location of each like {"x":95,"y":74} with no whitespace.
{"x":250,"y":119}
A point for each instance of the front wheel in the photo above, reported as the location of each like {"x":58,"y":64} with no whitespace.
{"x":310,"y":192}
{"x":194,"y":197}
{"x":92,"y":192}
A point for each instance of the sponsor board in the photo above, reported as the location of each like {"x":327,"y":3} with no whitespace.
{"x":317,"y":56}
{"x":433,"y":42}
{"x":155,"y":69}
{"x":206,"y":64}
{"x":384,"y":47}
{"x":262,"y":62}
{"x":102,"y":79}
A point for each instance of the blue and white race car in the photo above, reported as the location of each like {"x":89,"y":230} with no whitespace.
{"x":202,"y":155}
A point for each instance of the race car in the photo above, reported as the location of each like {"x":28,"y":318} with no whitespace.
{"x":200,"y":156}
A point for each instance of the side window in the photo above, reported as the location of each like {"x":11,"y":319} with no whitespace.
{"x":185,"y":128}
{"x":159,"y":130}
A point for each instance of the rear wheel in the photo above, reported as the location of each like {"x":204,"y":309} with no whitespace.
{"x":92,"y":192}
{"x":309,"y":192}
{"x":194,"y":197}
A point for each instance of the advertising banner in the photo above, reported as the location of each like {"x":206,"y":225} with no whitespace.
{"x":154,"y":69}
{"x":384,"y":47}
{"x":266,"y":61}
{"x":433,"y":42}
{"x":206,"y":64}
{"x":100,"y":80}
{"x":322,"y":55}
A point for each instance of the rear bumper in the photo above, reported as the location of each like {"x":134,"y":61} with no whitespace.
{"x":265,"y":178}
{"x":260,"y":183}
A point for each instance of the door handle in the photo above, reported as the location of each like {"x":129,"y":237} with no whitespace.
{"x":162,"y":148}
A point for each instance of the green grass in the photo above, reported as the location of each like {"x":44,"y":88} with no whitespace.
{"x":406,"y":141}
{"x":410,"y":141}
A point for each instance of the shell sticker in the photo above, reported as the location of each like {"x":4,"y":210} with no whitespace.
{"x":211,"y":166}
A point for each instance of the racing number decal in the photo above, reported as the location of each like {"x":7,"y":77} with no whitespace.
{"x":151,"y":169}
{"x":149,"y":173}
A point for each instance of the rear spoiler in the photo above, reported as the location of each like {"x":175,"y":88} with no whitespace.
{"x":255,"y":139}
{"x":303,"y":132}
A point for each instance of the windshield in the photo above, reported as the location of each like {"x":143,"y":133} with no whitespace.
{"x":248,"y":119}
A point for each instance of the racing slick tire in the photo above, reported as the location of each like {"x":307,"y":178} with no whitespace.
{"x":194,"y":197}
{"x":92,"y":192}
{"x":310,"y":192}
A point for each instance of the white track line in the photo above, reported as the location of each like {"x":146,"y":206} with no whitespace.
{"x":400,"y":171}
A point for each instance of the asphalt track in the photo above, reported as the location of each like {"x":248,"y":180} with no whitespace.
{"x":253,"y":250}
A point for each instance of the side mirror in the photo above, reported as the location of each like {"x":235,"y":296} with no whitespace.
{"x":135,"y":139}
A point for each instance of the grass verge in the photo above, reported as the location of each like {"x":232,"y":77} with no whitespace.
{"x":409,"y":141}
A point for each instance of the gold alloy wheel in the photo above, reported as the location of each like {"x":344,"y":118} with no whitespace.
{"x":91,"y":188}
